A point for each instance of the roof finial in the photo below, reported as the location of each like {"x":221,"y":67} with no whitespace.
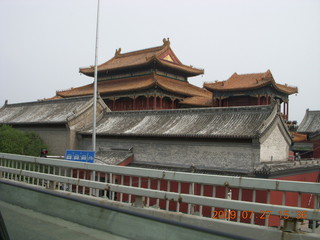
{"x":268,"y":73}
{"x":166,"y":41}
{"x":118,"y":52}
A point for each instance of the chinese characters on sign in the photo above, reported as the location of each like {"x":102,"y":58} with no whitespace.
{"x":80,"y":156}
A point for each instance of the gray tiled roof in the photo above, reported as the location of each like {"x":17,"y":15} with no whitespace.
{"x":281,"y":167}
{"x":268,"y":168}
{"x":232,"y":122}
{"x":310,"y":122}
{"x":41,"y":112}
{"x":112,"y":157}
{"x":193,"y":170}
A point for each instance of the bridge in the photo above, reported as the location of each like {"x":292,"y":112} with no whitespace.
{"x":42,"y":198}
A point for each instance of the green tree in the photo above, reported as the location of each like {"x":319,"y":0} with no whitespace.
{"x":20,"y":142}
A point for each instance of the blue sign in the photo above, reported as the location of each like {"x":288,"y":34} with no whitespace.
{"x":80,"y":156}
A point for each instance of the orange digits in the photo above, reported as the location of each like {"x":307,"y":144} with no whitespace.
{"x":215,"y":214}
{"x":302,"y":215}
{"x":232,"y":214}
{"x":227,"y":214}
{"x":284,"y":214}
{"x":264,"y":214}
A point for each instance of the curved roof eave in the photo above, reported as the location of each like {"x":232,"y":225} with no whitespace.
{"x":275,"y":85}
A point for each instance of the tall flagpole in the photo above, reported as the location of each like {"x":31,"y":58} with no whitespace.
{"x":95,"y":86}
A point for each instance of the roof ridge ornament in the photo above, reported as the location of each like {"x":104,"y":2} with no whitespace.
{"x":118,"y":52}
{"x":263,"y":169}
{"x":268,"y":72}
{"x":166,"y":42}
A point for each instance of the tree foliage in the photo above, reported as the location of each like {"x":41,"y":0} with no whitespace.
{"x":20,"y":142}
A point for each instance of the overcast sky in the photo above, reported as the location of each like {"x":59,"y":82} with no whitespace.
{"x":43,"y":42}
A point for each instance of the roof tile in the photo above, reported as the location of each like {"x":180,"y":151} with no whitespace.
{"x":233,"y":122}
{"x":310,"y":122}
{"x":141,"y":57}
{"x":198,"y":101}
{"x":249,"y":81}
{"x":138,"y":83}
{"x":41,"y":112}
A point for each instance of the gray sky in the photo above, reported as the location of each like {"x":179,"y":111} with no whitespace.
{"x":43,"y":42}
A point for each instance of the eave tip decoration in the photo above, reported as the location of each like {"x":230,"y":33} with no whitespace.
{"x":166,"y":41}
{"x":118,"y":52}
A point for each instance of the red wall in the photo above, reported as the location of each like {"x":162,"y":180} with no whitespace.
{"x":247,"y":195}
{"x":316,"y":148}
{"x":307,"y":200}
{"x":183,"y":207}
{"x":141,"y":103}
{"x":244,"y":101}
{"x":239,"y":101}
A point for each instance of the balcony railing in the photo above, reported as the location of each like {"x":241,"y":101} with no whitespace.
{"x":244,"y":200}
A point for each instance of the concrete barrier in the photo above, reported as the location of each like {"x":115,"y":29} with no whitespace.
{"x":99,"y":215}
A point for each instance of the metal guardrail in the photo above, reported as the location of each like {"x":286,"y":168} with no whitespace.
{"x":226,"y":198}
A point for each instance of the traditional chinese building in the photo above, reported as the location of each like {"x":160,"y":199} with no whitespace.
{"x":249,"y":141}
{"x":301,"y":147}
{"x":244,"y":141}
{"x":234,"y":139}
{"x":310,"y":126}
{"x":56,"y":121}
{"x":250,"y":89}
{"x":152,"y":78}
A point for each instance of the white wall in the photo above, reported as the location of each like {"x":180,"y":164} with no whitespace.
{"x":275,"y":147}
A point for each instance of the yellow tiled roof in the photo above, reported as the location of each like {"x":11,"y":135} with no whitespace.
{"x":138,"y":83}
{"x":249,"y":81}
{"x":162,"y":54}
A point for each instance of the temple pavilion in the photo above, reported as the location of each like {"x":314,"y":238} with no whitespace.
{"x":250,"y":89}
{"x":154,"y":78}
{"x":147,"y":79}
